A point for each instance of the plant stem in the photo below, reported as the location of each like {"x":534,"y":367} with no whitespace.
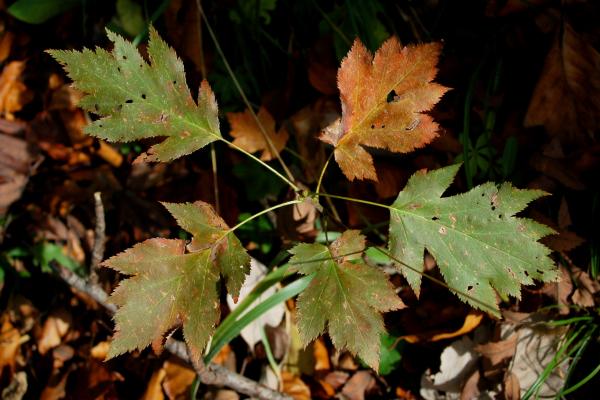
{"x":490,"y":308}
{"x":370,"y":203}
{"x":258,"y":214}
{"x":264,"y":164}
{"x":242,"y":94}
{"x":323,"y":172}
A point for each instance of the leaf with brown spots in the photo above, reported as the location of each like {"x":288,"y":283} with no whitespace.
{"x":139,"y":100}
{"x":170,"y":286}
{"x":249,"y":136}
{"x":383,"y":100}
{"x":475,"y":238}
{"x":346,"y":295}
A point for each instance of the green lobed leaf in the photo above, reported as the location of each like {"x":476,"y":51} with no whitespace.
{"x":168,"y":288}
{"x":139,"y":100}
{"x":346,"y":295}
{"x":478,"y":243}
{"x":209,"y":231}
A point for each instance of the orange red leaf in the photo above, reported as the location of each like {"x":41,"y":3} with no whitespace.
{"x":383,"y":100}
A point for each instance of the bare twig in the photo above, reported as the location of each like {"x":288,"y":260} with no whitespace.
{"x":210,"y":374}
{"x":99,"y":238}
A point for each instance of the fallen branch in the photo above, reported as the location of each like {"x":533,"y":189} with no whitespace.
{"x":210,"y":374}
{"x":99,"y":238}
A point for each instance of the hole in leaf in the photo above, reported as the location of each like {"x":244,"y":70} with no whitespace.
{"x":482,"y":194}
{"x":493,"y":208}
{"x":392,"y":96}
{"x":526,"y":273}
{"x":539,"y":271}
{"x":144,"y":96}
{"x":174,"y":82}
{"x":96,"y":107}
{"x":124,"y":57}
{"x":372,"y":126}
{"x":129,"y":101}
{"x":382,"y":126}
{"x":469,"y":288}
{"x":500,"y":216}
{"x":119,"y":69}
{"x":434,"y":218}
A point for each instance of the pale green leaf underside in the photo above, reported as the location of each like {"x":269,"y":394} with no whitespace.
{"x":168,"y":288}
{"x":140,"y":100}
{"x":211,"y":232}
{"x":478,"y":243}
{"x":346,"y":296}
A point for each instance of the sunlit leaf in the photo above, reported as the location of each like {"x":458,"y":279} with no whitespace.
{"x":346,"y":296}
{"x":139,"y":100}
{"x":478,"y":243}
{"x":383,"y":100}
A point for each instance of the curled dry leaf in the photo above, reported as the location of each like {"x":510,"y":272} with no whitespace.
{"x":383,"y":100}
{"x":566,"y":99}
{"x":249,"y":136}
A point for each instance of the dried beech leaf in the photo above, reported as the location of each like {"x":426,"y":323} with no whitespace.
{"x":383,"y":100}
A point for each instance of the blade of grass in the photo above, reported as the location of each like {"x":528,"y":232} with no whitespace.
{"x":236,"y":327}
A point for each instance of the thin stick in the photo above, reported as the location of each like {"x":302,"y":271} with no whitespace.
{"x":210,"y":374}
{"x":268,"y":140}
{"x":99,"y":237}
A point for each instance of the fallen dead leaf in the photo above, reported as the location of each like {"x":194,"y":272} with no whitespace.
{"x":100,"y":350}
{"x":472,"y":321}
{"x":586,"y":288}
{"x":17,"y":387}
{"x":306,"y":125}
{"x":321,"y":355}
{"x":249,"y":136}
{"x":358,"y":385}
{"x":178,"y":379}
{"x":496,"y":352}
{"x":55,"y":328}
{"x":154,"y":387}
{"x":10,"y":344}
{"x":6,"y":45}
{"x":16,"y":159}
{"x":252,"y":333}
{"x":470,"y":389}
{"x":336,"y":379}
{"x":297,"y":223}
{"x":512,"y":391}
{"x":13,"y":92}
{"x":295,"y":387}
{"x":566,"y":99}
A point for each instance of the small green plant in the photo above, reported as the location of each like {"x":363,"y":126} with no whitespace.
{"x":481,"y":247}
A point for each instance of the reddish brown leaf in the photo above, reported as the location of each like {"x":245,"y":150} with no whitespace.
{"x":249,"y":136}
{"x":383,"y":100}
{"x":566,"y":99}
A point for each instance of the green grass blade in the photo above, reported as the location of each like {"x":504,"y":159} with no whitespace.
{"x":233,"y":329}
